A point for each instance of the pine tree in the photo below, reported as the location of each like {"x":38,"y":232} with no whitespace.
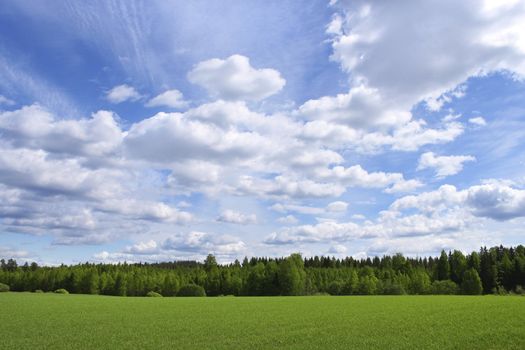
{"x":443,"y":267}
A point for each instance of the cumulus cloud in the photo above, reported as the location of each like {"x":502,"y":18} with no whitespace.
{"x":362,"y":107}
{"x":35,"y":127}
{"x":376,"y":111}
{"x":301,"y":209}
{"x":192,"y":245}
{"x":235,"y":79}
{"x":288,"y":220}
{"x":68,"y":178}
{"x":122,"y":93}
{"x":325,"y":231}
{"x":496,"y":200}
{"x":485,"y":38}
{"x":442,"y":215}
{"x":235,"y":217}
{"x":443,"y":165}
{"x":356,"y":176}
{"x":169,"y":98}
{"x":170,"y":137}
{"x":337,"y":207}
{"x":337,"y":249}
{"x":480,"y":121}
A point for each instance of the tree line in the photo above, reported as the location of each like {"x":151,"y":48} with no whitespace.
{"x":497,"y":270}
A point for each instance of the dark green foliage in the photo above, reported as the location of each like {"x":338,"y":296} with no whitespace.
{"x":443,"y":267}
{"x":335,"y":288}
{"x":458,"y":266}
{"x":471,"y":284}
{"x":191,"y":290}
{"x":489,"y":270}
{"x":213,"y":278}
{"x":419,"y":282}
{"x":501,"y":270}
{"x":61,"y":291}
{"x":445,"y":287}
{"x":152,"y":294}
{"x":4,"y":287}
{"x":292,"y":275}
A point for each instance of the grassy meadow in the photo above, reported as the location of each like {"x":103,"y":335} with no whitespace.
{"x":50,"y":321}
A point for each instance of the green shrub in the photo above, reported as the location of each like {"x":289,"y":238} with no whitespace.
{"x":191,"y":290}
{"x":519,"y":290}
{"x":61,"y":291}
{"x":445,"y":287}
{"x":39,"y":291}
{"x":335,"y":288}
{"x":499,"y":290}
{"x":472,"y":283}
{"x":4,"y":287}
{"x":153,"y":294}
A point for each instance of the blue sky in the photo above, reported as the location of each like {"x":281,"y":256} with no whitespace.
{"x":162,"y":130}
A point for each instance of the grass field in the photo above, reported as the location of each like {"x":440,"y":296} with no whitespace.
{"x":49,"y":321}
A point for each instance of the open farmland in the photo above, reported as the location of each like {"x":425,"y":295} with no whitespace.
{"x":31,"y":321}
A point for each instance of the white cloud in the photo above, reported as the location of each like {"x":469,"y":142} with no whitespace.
{"x":325,"y":231}
{"x":356,"y":176}
{"x":6,"y":101}
{"x":480,"y":121}
{"x":301,"y":209}
{"x":10,"y":253}
{"x":146,"y":210}
{"x":288,"y":220}
{"x":194,"y":245}
{"x":122,"y":93}
{"x":496,"y":200}
{"x":169,"y":98}
{"x":474,"y":41}
{"x":404,"y":186}
{"x":337,"y":207}
{"x":35,"y":127}
{"x":170,"y":137}
{"x":337,"y":249}
{"x":149,"y":247}
{"x":376,"y":111}
{"x":361,"y":108}
{"x":443,"y":165}
{"x":442,"y":216}
{"x":235,"y":79}
{"x":235,"y":217}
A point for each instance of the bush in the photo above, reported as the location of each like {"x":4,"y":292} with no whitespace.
{"x":191,"y":290}
{"x":472,"y":283}
{"x":446,"y":287}
{"x":4,"y":287}
{"x":499,"y":290}
{"x":61,"y":291}
{"x":335,"y":288}
{"x":39,"y":291}
{"x":389,"y":287}
{"x":153,"y":294}
{"x":519,"y":290}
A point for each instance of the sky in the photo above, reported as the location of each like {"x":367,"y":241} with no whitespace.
{"x":168,"y":130}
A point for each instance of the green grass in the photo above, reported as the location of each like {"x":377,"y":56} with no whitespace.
{"x":49,"y":321}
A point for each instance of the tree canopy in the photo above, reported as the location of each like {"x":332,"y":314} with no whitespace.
{"x":493,"y":270}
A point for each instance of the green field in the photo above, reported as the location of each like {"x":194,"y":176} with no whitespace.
{"x":49,"y":321}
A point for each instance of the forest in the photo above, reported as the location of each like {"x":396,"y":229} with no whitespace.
{"x":498,"y":270}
